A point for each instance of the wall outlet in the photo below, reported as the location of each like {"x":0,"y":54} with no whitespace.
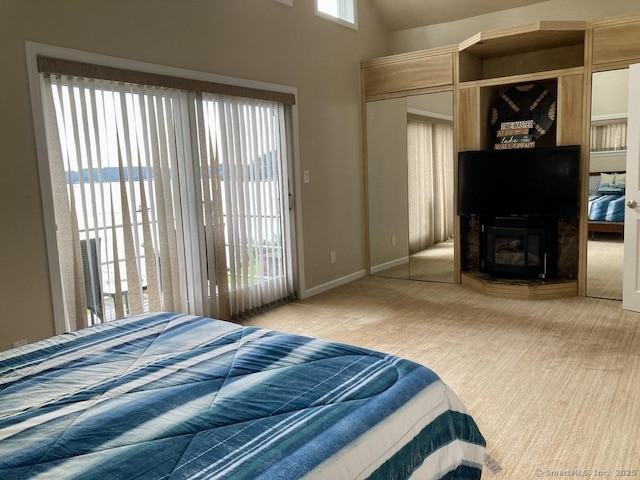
{"x":19,"y":343}
{"x":307,"y":176}
{"x":394,"y":241}
{"x":333,"y":257}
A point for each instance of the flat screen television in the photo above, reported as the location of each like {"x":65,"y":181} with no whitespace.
{"x":520,"y":182}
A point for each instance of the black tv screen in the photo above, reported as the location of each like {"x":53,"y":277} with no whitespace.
{"x":527,"y":182}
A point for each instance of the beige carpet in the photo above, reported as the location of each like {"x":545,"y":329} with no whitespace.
{"x":604,"y":266}
{"x":434,"y":264}
{"x":554,"y":385}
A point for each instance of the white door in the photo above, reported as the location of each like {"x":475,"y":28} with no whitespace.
{"x":631,"y":278}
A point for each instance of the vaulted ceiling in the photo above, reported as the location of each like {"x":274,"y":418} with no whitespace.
{"x":404,"y":14}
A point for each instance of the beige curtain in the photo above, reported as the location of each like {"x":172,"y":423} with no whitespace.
{"x":430,"y":154}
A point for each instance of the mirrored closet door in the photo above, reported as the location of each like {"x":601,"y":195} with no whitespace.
{"x":410,"y":187}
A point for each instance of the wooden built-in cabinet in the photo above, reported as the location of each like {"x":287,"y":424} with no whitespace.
{"x":558,"y":55}
{"x":409,"y":73}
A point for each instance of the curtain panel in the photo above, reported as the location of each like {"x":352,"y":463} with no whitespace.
{"x":430,"y":154}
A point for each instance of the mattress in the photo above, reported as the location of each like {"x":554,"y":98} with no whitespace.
{"x":176,"y":396}
{"x":606,"y":208}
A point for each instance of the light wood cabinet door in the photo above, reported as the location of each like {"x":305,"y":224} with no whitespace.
{"x":616,"y":43}
{"x":570,"y":120}
{"x":468,"y":119}
{"x":414,"y":74}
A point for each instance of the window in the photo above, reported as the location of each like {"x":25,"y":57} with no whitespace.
{"x":166,"y":199}
{"x":609,"y":135}
{"x":342,"y":10}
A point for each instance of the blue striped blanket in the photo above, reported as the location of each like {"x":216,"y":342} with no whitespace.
{"x":606,"y":208}
{"x":168,"y":395}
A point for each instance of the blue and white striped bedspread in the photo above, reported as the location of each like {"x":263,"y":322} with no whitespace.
{"x":606,"y":208}
{"x":176,"y":396}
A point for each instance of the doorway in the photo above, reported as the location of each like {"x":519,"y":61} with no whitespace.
{"x":605,"y":248}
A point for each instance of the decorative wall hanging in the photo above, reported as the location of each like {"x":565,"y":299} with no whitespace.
{"x":521,"y":115}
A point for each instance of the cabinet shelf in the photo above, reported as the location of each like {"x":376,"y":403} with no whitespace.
{"x":521,"y":78}
{"x":542,"y":46}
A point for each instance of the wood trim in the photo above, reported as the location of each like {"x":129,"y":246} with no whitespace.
{"x":524,"y":38}
{"x":402,"y":94}
{"x":570,"y":103}
{"x":616,"y":43}
{"x":585,"y":159}
{"x":467,"y":118}
{"x":403,"y":57}
{"x":457,"y":240}
{"x":615,"y":20}
{"x":521,"y":290}
{"x":409,"y":76}
{"x":365,"y":171}
{"x":502,"y":32}
{"x":606,"y":227}
{"x":605,"y":67}
{"x":527,"y":77}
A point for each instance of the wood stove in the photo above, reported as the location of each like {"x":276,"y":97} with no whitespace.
{"x":519,"y":247}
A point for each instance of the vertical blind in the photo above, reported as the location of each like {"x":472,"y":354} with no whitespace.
{"x":430,"y":153}
{"x":166,"y":199}
{"x":608,"y":135}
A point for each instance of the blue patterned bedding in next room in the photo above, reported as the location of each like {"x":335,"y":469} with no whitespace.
{"x":606,"y":208}
{"x":173,"y":396}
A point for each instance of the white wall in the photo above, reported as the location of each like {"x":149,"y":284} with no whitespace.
{"x":456,"y":32}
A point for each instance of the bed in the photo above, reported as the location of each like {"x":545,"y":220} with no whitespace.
{"x":606,"y":202}
{"x":174,"y":396}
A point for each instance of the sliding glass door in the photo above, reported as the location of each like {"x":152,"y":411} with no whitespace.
{"x":167,"y":199}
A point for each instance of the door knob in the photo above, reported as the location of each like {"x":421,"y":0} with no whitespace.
{"x":632,"y":204}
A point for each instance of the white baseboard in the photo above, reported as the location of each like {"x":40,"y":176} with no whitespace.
{"x":333,"y":284}
{"x":391,"y":264}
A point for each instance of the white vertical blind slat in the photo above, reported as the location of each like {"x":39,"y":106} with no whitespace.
{"x":144,"y":171}
{"x":64,"y":216}
{"x":129,"y":221}
{"x":219,"y":276}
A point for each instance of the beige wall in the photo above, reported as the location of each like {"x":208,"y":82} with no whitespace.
{"x":609,"y":98}
{"x":456,"y":32}
{"x":254,"y":39}
{"x":610,"y":93}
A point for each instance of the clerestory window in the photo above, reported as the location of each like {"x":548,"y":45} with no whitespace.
{"x":343,"y":11}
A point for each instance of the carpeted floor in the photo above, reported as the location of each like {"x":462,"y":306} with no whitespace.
{"x":604,"y":266}
{"x":605,"y":262}
{"x":434,"y":264}
{"x":554,"y":384}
